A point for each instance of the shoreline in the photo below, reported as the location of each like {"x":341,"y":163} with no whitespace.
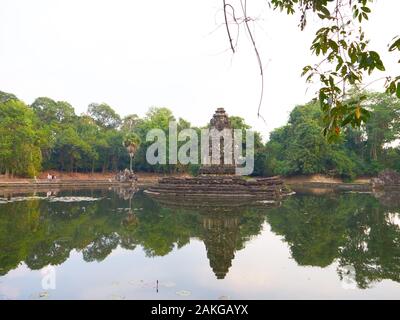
{"x":76,"y":180}
{"x":339,"y":187}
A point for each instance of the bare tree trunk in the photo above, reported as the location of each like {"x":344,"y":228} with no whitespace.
{"x":72,"y":164}
{"x":62,"y":161}
{"x":114,"y":163}
{"x":374,"y":154}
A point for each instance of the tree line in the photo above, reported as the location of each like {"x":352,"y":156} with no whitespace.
{"x":350,"y":230}
{"x":49,"y":135}
{"x":298,"y":148}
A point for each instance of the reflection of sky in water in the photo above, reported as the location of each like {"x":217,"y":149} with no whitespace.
{"x":264,"y":269}
{"x":393,"y":218}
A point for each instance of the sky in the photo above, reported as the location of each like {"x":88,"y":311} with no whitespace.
{"x":134,"y":55}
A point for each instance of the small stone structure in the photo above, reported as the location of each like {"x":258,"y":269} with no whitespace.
{"x":387,"y":178}
{"x":218,"y":181}
{"x":126,"y":176}
{"x":220,"y":187}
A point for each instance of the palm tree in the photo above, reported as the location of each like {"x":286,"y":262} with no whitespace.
{"x":131,"y":143}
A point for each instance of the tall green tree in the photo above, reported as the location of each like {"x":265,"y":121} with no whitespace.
{"x":131,"y":143}
{"x":53,"y":112}
{"x":4,"y":97}
{"x":104,"y":115}
{"x":20,"y":142}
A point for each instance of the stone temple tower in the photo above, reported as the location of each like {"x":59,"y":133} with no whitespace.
{"x":218,"y":181}
{"x":218,"y":123}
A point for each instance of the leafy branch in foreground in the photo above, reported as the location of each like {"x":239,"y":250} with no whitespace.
{"x":346,"y":57}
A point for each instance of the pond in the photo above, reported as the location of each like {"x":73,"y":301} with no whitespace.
{"x":112,"y":244}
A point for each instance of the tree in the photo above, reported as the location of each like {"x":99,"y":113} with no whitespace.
{"x":156,"y":118}
{"x":129,"y":122}
{"x":384,"y":124}
{"x":131,"y":143}
{"x":53,"y":112}
{"x":20,"y":141}
{"x":299,"y":147}
{"x":91,"y":134}
{"x":342,"y":45}
{"x":69,"y":147}
{"x":5,"y":97}
{"x":373,"y":141}
{"x":55,"y":117}
{"x":104,"y":115}
{"x":260,"y":158}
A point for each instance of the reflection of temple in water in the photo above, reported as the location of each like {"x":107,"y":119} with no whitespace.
{"x":388,"y":198}
{"x":225,"y":226}
{"x":220,"y":236}
{"x":126,"y":219}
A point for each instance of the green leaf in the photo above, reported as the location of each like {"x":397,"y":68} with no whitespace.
{"x":380,"y":66}
{"x":325,"y":11}
{"x":366,"y":9}
{"x":305,"y":70}
{"x":333,"y":45}
{"x":395,"y":45}
{"x":347,"y":120}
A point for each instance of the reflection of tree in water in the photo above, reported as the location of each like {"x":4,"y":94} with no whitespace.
{"x":388,"y":199}
{"x":373,"y":248}
{"x":41,"y":232}
{"x":100,"y":248}
{"x":312,"y":226}
{"x":355,"y":230}
{"x":45,"y":253}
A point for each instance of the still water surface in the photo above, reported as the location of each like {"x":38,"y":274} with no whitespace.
{"x":104,"y":245}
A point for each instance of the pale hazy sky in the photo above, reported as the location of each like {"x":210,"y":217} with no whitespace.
{"x":137,"y":54}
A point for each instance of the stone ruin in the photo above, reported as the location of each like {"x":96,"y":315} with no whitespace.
{"x":126,"y":176}
{"x":220,"y":121}
{"x":220,"y":188}
{"x":386,"y":178}
{"x":218,"y":182}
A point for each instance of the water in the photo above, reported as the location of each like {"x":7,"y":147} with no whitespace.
{"x":312,"y":246}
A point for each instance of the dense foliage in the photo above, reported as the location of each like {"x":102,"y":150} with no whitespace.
{"x":346,"y":56}
{"x":49,"y":135}
{"x":300,"y":148}
{"x":89,"y":228}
